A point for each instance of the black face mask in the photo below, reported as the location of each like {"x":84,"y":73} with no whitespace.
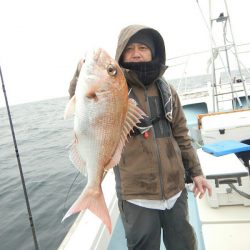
{"x":147,"y":72}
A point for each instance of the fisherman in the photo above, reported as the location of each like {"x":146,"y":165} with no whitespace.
{"x":150,"y":178}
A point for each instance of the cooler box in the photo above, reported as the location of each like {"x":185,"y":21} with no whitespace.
{"x":225,"y":126}
{"x":225,"y":174}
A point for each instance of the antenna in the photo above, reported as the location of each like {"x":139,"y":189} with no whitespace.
{"x":227,"y":85}
{"x":229,"y":88}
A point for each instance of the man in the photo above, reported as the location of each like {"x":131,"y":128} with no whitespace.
{"x":150,"y":178}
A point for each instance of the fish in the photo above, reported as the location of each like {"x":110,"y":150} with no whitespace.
{"x":104,"y":117}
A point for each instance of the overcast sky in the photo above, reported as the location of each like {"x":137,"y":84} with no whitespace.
{"x":42,"y":41}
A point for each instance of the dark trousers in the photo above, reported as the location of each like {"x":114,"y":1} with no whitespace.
{"x":143,"y":226}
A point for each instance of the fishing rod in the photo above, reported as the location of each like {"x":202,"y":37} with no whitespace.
{"x":19,"y":165}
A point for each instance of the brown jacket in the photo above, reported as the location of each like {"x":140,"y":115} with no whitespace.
{"x":153,"y":168}
{"x":73,"y":82}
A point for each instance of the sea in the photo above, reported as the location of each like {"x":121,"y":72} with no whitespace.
{"x":51,"y":181}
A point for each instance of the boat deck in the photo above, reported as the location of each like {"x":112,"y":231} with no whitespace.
{"x":216,"y":228}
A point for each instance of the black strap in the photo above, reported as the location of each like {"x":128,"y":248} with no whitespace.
{"x":165,"y":96}
{"x":145,"y":123}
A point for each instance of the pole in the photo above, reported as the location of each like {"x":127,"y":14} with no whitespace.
{"x":19,"y":165}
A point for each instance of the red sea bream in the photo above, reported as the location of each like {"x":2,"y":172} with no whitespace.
{"x":103,"y":119}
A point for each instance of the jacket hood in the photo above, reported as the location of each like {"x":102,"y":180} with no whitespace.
{"x":131,"y":30}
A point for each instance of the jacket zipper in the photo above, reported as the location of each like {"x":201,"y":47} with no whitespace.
{"x":156,"y":147}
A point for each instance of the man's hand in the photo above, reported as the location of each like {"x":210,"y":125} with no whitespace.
{"x":201,"y":186}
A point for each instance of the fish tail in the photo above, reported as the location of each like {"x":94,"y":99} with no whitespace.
{"x":95,"y":202}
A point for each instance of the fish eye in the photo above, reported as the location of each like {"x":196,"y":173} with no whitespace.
{"x":111,"y":69}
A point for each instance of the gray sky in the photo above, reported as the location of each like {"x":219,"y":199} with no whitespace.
{"x":42,"y":41}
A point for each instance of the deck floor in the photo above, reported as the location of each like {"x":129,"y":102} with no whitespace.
{"x":118,"y":241}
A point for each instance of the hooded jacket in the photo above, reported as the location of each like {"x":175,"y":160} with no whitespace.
{"x":153,"y":168}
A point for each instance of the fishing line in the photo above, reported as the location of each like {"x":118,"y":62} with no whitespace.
{"x":19,"y":165}
{"x":64,"y":208}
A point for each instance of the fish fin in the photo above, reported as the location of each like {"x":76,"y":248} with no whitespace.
{"x":70,"y":108}
{"x":117,"y":155}
{"x":76,"y":158}
{"x":94,"y":201}
{"x":134,"y":115}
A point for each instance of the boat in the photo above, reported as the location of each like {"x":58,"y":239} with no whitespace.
{"x":218,"y":116}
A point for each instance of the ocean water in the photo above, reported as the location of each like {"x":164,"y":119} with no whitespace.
{"x":52,"y":182}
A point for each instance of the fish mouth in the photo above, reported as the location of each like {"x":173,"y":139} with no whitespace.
{"x":97,"y":54}
{"x":91,"y":60}
{"x":94,"y":55}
